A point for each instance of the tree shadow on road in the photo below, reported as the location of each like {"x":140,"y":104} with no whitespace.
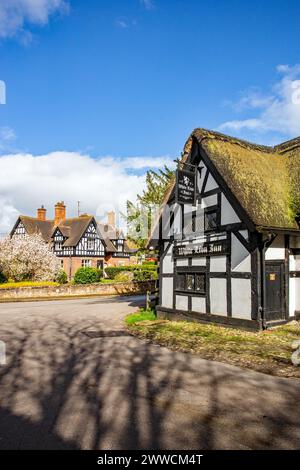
{"x":64,"y":390}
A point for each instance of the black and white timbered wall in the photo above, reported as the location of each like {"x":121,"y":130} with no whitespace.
{"x":90,"y":243}
{"x":214,"y":266}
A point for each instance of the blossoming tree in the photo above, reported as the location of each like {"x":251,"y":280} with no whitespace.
{"x":27,"y":258}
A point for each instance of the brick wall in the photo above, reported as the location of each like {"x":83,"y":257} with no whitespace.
{"x":121,"y":288}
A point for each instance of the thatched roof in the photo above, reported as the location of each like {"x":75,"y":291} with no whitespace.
{"x":264,"y":180}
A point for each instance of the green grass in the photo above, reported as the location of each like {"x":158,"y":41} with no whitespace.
{"x":8,"y":285}
{"x":266,"y":351}
{"x":142,"y":315}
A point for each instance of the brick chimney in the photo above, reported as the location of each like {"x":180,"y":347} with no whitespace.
{"x":60,"y":212}
{"x":41,"y":213}
{"x":111,"y":218}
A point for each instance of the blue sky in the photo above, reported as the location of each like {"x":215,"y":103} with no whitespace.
{"x":132,"y":78}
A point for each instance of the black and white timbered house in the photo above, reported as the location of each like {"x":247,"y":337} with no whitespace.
{"x":229,"y":242}
{"x":78,"y":242}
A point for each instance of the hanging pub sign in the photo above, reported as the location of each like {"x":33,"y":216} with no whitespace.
{"x":185,"y":186}
{"x":212,"y":248}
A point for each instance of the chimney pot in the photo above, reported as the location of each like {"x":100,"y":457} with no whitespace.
{"x":111,"y":218}
{"x":60,"y":212}
{"x":41,"y":213}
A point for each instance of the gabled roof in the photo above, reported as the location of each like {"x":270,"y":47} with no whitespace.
{"x":74,"y":229}
{"x":264,"y":180}
{"x":33,"y":226}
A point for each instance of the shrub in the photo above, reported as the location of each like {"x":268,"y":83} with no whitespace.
{"x":87,"y":275}
{"x":144,"y":275}
{"x":112,"y":271}
{"x":149,"y":263}
{"x":149,"y":267}
{"x":2,"y":278}
{"x":61,"y":277}
{"x":124,"y":276}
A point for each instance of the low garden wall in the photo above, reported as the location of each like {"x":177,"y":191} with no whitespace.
{"x":80,"y":290}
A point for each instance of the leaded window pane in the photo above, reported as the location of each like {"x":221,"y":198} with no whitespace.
{"x":181,"y":281}
{"x":200,"y":283}
{"x":190,"y":282}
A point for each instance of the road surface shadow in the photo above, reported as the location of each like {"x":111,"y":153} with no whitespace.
{"x":63,"y":390}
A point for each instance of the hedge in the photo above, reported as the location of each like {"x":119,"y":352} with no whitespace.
{"x":112,"y":271}
{"x":87,"y":275}
{"x":144,"y":275}
{"x":2,"y":278}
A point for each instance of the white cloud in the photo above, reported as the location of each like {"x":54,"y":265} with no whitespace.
{"x":148,"y":4}
{"x":15,"y":14}
{"x":122,"y":23}
{"x":7,"y":137}
{"x":100,"y":184}
{"x":277,"y":111}
{"x":7,"y":133}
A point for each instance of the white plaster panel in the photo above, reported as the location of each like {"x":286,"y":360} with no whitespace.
{"x":167,"y":292}
{"x":181,"y":302}
{"x":177,"y":226}
{"x":218,"y":297}
{"x":198,"y":261}
{"x":292,"y":296}
{"x":244,"y":234}
{"x":228,"y":214}
{"x":167,"y":261}
{"x":240,"y":256}
{"x":297,"y":263}
{"x":297,"y":293}
{"x":209,"y":201}
{"x":199,"y":304}
{"x":182,"y":262}
{"x":241,"y":298}
{"x":276,"y":250}
{"x":188,"y":209}
{"x":292,"y":263}
{"x":201,"y":179}
{"x":211,"y":183}
{"x":218,"y":264}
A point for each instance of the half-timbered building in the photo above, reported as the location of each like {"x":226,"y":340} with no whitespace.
{"x":231,"y":254}
{"x":79,"y":241}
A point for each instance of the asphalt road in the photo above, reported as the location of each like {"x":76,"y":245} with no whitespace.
{"x":74,"y":379}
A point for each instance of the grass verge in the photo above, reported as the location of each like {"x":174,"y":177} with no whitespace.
{"x":142,"y":315}
{"x":266,"y":351}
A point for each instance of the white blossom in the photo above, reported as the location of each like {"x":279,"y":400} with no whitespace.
{"x":27,"y":258}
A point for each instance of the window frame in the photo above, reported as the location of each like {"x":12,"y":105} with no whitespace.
{"x":92,"y":241}
{"x":86,"y":263}
{"x":211,"y":210}
{"x":190,"y":273}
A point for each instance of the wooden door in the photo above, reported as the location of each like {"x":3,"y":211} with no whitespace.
{"x":275,"y":292}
